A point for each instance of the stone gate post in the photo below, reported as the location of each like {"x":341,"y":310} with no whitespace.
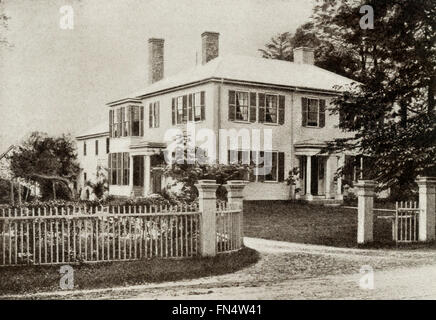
{"x":365,"y":193}
{"x":427,"y":204}
{"x":207,"y":205}
{"x":235,"y":189}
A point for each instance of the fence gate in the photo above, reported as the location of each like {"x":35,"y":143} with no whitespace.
{"x":405,"y":223}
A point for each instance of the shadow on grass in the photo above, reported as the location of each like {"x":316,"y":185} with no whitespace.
{"x":31,"y":279}
{"x":299,"y":222}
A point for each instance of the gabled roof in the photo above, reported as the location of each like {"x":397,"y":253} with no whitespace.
{"x":251,"y":69}
{"x":100,"y":130}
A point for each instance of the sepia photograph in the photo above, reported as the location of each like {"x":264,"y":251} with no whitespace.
{"x":216,"y":154}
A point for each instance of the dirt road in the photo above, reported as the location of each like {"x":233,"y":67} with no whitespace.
{"x":296,"y":271}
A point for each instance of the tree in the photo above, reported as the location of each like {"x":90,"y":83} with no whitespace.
{"x":51,"y":162}
{"x":100,"y":186}
{"x":280,"y":47}
{"x":189,"y":170}
{"x":391,"y":113}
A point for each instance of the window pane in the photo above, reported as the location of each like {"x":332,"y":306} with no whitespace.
{"x":312,"y":114}
{"x":271,"y":109}
{"x":242,"y":106}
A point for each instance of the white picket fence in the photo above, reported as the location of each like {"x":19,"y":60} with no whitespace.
{"x":71,"y":234}
{"x":59,"y":235}
{"x":228,"y":226}
{"x":404,"y":220}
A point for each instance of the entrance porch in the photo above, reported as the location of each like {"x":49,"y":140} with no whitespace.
{"x":317,"y":173}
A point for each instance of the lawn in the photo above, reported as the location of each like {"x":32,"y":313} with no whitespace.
{"x":308,"y":223}
{"x":30,"y":279}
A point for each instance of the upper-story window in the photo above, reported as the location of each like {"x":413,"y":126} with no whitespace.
{"x":313,"y":112}
{"x":153,"y":115}
{"x":107,"y":145}
{"x":96,"y":147}
{"x":254,"y":106}
{"x":84,"y":148}
{"x":190,"y":107}
{"x":126,"y":121}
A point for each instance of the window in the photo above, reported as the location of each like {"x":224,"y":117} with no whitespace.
{"x":134,"y":116}
{"x":189,"y":107}
{"x":154,"y":115}
{"x":126,"y":121}
{"x":252,"y":106}
{"x":197,"y":105}
{"x":96,"y":147}
{"x":119,"y":168}
{"x":84,"y":178}
{"x":313,"y":112}
{"x":84,"y":148}
{"x":238,"y":106}
{"x":271,"y":108}
{"x":107,"y":145}
{"x":257,"y":159}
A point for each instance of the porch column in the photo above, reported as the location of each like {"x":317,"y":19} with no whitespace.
{"x":308,"y":176}
{"x":328,"y":177}
{"x":427,"y":205}
{"x":147,"y":175}
{"x":339,"y":194}
{"x":131,"y":175}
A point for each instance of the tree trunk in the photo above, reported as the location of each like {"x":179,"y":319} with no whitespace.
{"x":431,"y":94}
{"x":54,"y":189}
{"x":12,"y":193}
{"x":19,"y":194}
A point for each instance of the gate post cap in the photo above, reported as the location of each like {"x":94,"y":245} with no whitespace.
{"x":425,"y":180}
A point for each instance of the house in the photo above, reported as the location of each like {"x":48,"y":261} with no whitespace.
{"x":230,"y":92}
{"x":92,"y":154}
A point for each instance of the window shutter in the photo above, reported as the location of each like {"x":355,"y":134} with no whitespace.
{"x":111,"y":120}
{"x":232,"y":105}
{"x":322,"y":113}
{"x":253,"y":106}
{"x":190,"y":107}
{"x":174,"y":111}
{"x":261,"y":107}
{"x":122,"y":113}
{"x":304,"y":111}
{"x":281,"y":170}
{"x":203,"y":106}
{"x":157,"y":114}
{"x":150,"y":115}
{"x":281,"y":109}
{"x":141,"y":121}
{"x":185,"y":109}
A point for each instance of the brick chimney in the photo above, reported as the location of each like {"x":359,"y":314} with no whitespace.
{"x":209,"y":46}
{"x":155,"y":60}
{"x":304,"y":55}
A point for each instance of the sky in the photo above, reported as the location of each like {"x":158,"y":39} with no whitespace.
{"x":58,"y":80}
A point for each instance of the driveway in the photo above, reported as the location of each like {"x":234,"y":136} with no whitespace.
{"x":296,"y":271}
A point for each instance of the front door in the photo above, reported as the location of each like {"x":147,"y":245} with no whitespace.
{"x":156,"y":181}
{"x":314,"y":175}
{"x":138,"y":171}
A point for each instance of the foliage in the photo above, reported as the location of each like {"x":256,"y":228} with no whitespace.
{"x":188,"y":171}
{"x":391,"y":113}
{"x":100,"y":186}
{"x":293,"y":176}
{"x":48,"y":161}
{"x":280,"y":47}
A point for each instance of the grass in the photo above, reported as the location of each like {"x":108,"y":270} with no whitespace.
{"x":32,"y":279}
{"x":313,"y":224}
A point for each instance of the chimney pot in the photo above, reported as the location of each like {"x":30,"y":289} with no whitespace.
{"x":304,"y":55}
{"x":155,"y":60}
{"x":210,"y":46}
